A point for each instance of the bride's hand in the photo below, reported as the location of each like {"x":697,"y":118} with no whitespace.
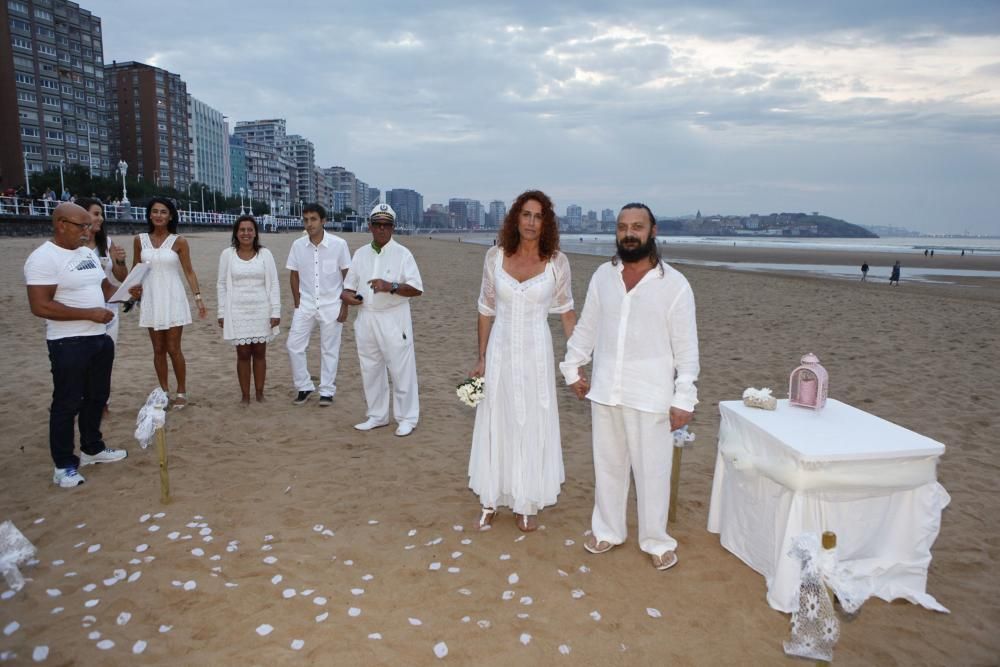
{"x":479,"y":370}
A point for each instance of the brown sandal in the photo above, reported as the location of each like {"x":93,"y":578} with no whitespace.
{"x":526,"y":523}
{"x":485,"y":521}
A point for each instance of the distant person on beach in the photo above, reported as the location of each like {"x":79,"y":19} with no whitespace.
{"x":894,"y":276}
{"x":638,"y":325}
{"x":164,"y":310}
{"x":926,"y":252}
{"x":318,"y":262}
{"x":516,"y":458}
{"x":249,"y":303}
{"x":932,"y":253}
{"x":382,"y":279}
{"x":864,"y":271}
{"x":67,"y":287}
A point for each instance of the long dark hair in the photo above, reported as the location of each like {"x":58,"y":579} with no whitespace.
{"x":256,"y":233}
{"x":100,"y":236}
{"x":548,"y":240}
{"x":654,"y":252}
{"x":174,"y":217}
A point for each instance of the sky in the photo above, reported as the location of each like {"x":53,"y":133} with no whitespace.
{"x":879,"y":113}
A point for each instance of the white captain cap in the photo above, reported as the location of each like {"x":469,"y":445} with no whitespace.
{"x":382,"y":212}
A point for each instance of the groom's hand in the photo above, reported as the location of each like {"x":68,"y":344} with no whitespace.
{"x":679,"y":418}
{"x":581,"y":387}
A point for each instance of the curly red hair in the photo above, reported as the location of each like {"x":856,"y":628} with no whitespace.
{"x":510,"y":237}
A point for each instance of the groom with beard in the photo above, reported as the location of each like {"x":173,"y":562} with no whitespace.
{"x":638,"y":326}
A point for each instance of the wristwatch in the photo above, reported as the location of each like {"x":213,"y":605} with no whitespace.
{"x":395,"y":286}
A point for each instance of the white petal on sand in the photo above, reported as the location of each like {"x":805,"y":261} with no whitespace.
{"x":413,"y":531}
{"x":306,"y":592}
{"x":322,"y":617}
{"x":522,"y":615}
{"x":410,"y":546}
{"x":6,"y":595}
{"x":526,"y":600}
{"x":94,"y":636}
{"x":57,"y":610}
{"x":88,"y":620}
{"x":185,"y":537}
{"x":319,"y":600}
{"x":144,"y":518}
{"x":39,"y":520}
{"x":70,"y":574}
{"x":138,"y":647}
{"x":135,"y":561}
{"x":266,"y":547}
{"x":372,"y":522}
{"x":466,"y":619}
{"x":596,"y":615}
{"x":270,"y":560}
{"x":165,"y":629}
{"x":110,"y":582}
{"x":190,"y":585}
{"x":154,"y":528}
{"x":440,"y":649}
{"x":586,"y":533}
{"x":92,"y":603}
{"x":159,"y":515}
{"x":193,"y":524}
{"x":653,"y":612}
{"x":81,"y":525}
{"x":141,"y":548}
{"x":58,"y":562}
{"x":93,"y":547}
{"x":89,"y":587}
{"x":466,"y":541}
{"x":297,"y":644}
{"x":198,"y":552}
{"x":457,"y":528}
{"x":357,"y":591}
{"x":367,"y":577}
{"x":123,"y":618}
{"x":327,"y":532}
{"x":268,"y":538}
{"x":562,"y":574}
{"x":40,"y":653}
{"x":483,"y":623}
{"x":519,"y":539}
{"x":53,"y":592}
{"x":513,"y":578}
{"x":276,"y":579}
{"x":264,"y":629}
{"x":415,"y":621}
{"x":148,"y":559}
{"x":456,"y":554}
{"x":508,"y":595}
{"x":568,"y":543}
{"x":577,"y":594}
{"x":11,"y":628}
{"x":464,"y":591}
{"x":105,"y":644}
{"x":434,"y":566}
{"x":504,"y":556}
{"x":525,"y":638}
{"x":435,"y":541}
{"x":564,"y":649}
{"x":205,"y":531}
{"x":215,"y":557}
{"x":348,"y":562}
{"x":288,"y":593}
{"x":119,"y":573}
{"x":353,"y":611}
{"x":375,"y":635}
{"x":134,"y":576}
{"x":584,"y":569}
{"x":454,"y":570}
{"x":318,"y":528}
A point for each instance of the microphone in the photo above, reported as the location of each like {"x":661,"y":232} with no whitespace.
{"x":129,"y":305}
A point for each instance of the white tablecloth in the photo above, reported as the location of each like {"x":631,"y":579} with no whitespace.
{"x":793,"y":470}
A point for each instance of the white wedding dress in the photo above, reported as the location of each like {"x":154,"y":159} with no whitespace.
{"x":516,"y":458}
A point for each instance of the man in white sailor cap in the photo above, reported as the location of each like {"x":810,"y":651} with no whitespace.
{"x":382,"y":279}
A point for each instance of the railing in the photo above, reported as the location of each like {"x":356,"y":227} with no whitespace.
{"x":22,"y":206}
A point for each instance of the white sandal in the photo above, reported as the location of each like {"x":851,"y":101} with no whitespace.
{"x":180,"y":397}
{"x":485,"y":521}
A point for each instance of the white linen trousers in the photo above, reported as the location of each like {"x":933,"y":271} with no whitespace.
{"x":304,"y":319}
{"x":385,"y":343}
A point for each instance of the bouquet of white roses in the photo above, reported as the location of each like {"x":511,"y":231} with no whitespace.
{"x":471,"y":391}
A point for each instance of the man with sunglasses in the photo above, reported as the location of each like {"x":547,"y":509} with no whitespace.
{"x":382,"y":279}
{"x":67,"y":287}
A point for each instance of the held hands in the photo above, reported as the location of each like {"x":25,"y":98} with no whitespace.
{"x":222,"y":322}
{"x":581,"y":386}
{"x":275,"y":321}
{"x":342,"y":315}
{"x":679,"y":418}
{"x":202,"y":310}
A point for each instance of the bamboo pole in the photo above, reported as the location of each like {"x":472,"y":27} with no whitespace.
{"x":675,"y":481}
{"x":161,"y":448}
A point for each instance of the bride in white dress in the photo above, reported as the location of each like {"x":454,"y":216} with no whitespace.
{"x":516,"y":458}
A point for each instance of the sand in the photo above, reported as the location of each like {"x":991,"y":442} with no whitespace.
{"x":371,"y":563}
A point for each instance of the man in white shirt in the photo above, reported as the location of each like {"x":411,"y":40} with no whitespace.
{"x":382,"y":280}
{"x":67,"y":287}
{"x":318,"y":263}
{"x":638,"y":325}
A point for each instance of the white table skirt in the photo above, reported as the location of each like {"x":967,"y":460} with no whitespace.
{"x":878,"y":494}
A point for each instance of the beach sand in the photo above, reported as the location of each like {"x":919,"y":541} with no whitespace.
{"x":366,"y":530}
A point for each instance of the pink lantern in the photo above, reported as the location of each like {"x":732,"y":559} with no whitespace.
{"x":809,"y":384}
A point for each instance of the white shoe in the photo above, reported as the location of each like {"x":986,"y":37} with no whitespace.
{"x":404,"y":429}
{"x":369,"y":424}
{"x":107,"y":455}
{"x":67,"y":478}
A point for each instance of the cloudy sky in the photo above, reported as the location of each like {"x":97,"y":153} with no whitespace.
{"x":881,"y":112}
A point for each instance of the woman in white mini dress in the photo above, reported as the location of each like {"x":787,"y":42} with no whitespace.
{"x":164,"y":309}
{"x":516,"y":458}
{"x":249,"y":303}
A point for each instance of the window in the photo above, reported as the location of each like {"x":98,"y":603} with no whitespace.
{"x":80,"y":95}
{"x":24,"y":78}
{"x":51,"y":84}
{"x":67,"y":107}
{"x":21,"y":43}
{"x":32,"y":149}
{"x":21,"y":61}
{"x":46,"y":50}
{"x":23,"y":26}
{"x":42,"y":31}
{"x":54,"y":134}
{"x":67,"y":89}
{"x":70,"y":138}
{"x":90,"y":84}
{"x":24,"y":114}
{"x":48,"y":69}
{"x":53,"y":118}
{"x":89,"y":69}
{"x":16,"y":6}
{"x":40,"y":13}
{"x":55,"y":152}
{"x":29,"y":131}
{"x":91,"y":99}
{"x":70,"y":155}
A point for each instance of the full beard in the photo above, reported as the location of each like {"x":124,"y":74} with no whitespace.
{"x":634,"y":254}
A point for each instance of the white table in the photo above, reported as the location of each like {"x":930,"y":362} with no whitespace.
{"x":794,"y":470}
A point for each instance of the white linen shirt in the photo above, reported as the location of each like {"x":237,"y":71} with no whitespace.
{"x":644,"y":342}
{"x":320,"y":268}
{"x":393,"y":264}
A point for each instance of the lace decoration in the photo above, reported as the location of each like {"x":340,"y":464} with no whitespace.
{"x":152,"y":416}
{"x":682,"y":437}
{"x":14,"y":550}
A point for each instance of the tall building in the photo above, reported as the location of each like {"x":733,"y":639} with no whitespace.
{"x":270,"y":131}
{"x":237,"y":166}
{"x":52,"y":90}
{"x":268,"y":176}
{"x":408,"y":205}
{"x":301,"y":152}
{"x":344,"y":185}
{"x":574,"y":218}
{"x":467,"y":213}
{"x":209,"y":145}
{"x":324,"y":189}
{"x":148,"y":123}
{"x":608,"y":220}
{"x":498,"y":211}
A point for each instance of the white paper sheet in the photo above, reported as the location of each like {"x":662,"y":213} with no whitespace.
{"x":135,"y":277}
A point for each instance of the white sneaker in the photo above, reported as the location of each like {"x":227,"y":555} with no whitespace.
{"x":107,"y":455}
{"x":369,"y":424}
{"x":67,"y":478}
{"x":404,"y":429}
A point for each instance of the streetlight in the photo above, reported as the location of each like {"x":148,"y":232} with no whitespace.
{"x":27,"y":182}
{"x":62,"y":183}
{"x":242,"y":192}
{"x":214,"y":205}
{"x":203,"y":199}
{"x":123,"y":169}
{"x":250,"y":195}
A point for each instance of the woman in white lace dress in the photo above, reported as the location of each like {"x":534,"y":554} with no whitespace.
{"x":164,"y":309}
{"x":249,"y":303}
{"x":516,"y":458}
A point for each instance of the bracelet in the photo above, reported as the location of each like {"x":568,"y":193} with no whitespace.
{"x":197,"y":297}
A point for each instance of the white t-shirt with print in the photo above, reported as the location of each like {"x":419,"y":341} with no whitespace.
{"x":77,"y":275}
